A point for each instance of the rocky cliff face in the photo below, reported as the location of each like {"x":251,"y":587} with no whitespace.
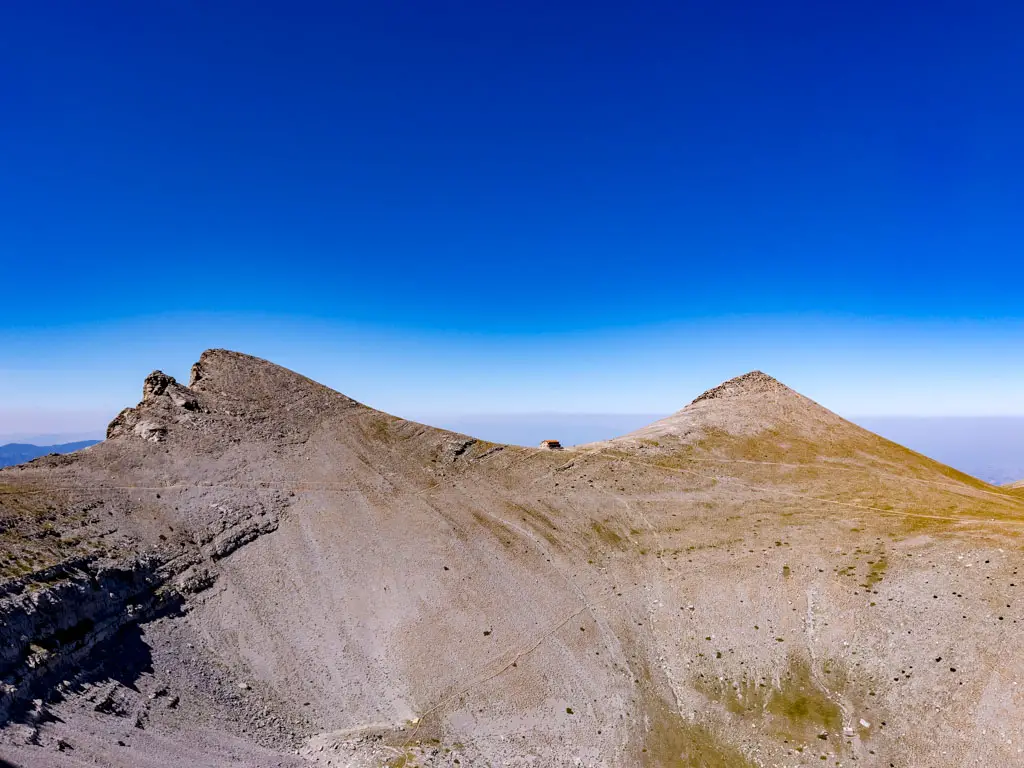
{"x":94,"y":560}
{"x":164,"y":403}
{"x":51,"y":621}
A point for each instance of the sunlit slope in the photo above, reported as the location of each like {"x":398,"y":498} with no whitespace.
{"x":753,"y":431}
{"x":751,"y":582}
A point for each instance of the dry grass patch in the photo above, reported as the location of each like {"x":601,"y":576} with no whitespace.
{"x":675,"y":742}
{"x":795,"y":707}
{"x":606,"y":534}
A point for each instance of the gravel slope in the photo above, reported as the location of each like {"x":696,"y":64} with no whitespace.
{"x":256,"y":570}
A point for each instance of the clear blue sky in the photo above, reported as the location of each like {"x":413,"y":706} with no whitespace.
{"x":371,"y":190}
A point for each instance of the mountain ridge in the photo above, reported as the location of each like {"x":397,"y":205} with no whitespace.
{"x":304,"y":580}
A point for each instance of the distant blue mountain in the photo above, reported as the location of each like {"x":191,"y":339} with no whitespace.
{"x":19,"y":453}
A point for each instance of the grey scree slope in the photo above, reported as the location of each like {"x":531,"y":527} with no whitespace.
{"x":254,"y":570}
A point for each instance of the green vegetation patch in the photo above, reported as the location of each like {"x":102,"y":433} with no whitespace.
{"x":800,"y":706}
{"x":379,"y":427}
{"x":606,"y":534}
{"x":502,"y":532}
{"x":674,"y":742}
{"x":741,"y":697}
{"x":538,"y":521}
{"x":876,"y":571}
{"x":533,"y":514}
{"x":907,"y":526}
{"x":795,"y":707}
{"x":401,"y":761}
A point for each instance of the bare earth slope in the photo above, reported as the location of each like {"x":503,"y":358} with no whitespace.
{"x":254,"y":570}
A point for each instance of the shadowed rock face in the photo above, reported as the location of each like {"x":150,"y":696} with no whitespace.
{"x":257,"y":570}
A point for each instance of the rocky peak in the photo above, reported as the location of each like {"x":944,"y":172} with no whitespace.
{"x":162,"y":399}
{"x":156,"y":384}
{"x":755,"y":382}
{"x":256,"y":384}
{"x":242,"y":389}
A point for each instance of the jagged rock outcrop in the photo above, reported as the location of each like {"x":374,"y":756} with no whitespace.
{"x":164,"y":402}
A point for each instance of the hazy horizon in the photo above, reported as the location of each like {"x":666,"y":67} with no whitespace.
{"x":988,"y":447}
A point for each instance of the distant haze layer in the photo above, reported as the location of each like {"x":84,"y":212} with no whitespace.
{"x":990,"y":448}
